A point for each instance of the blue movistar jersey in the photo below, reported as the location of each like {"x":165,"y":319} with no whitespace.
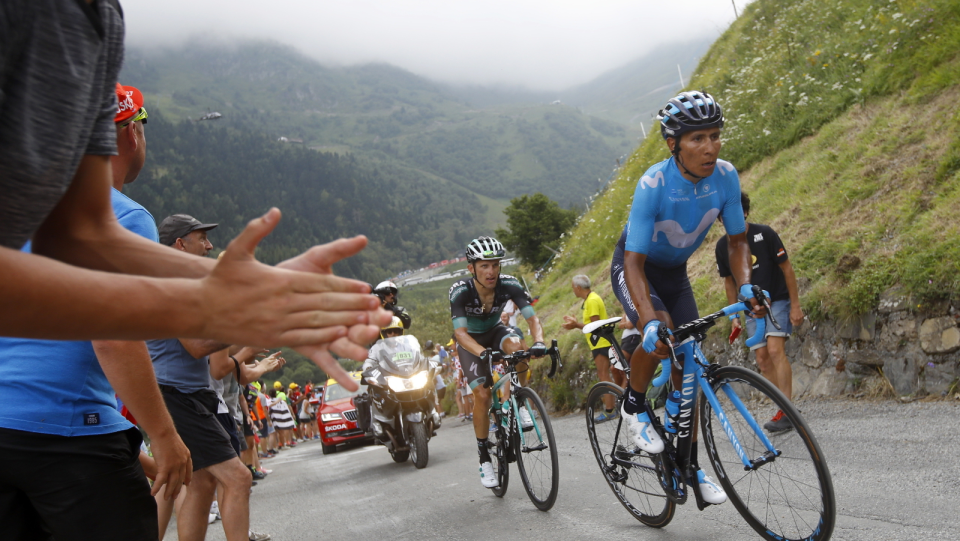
{"x":671,"y":216}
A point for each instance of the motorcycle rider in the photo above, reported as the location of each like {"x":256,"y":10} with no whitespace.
{"x":371,"y":366}
{"x":387,"y":291}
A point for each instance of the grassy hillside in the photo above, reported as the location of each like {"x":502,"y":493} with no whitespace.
{"x":844,"y":122}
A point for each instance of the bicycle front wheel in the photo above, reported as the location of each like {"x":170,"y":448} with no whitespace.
{"x":536,"y":451}
{"x":634,"y":476}
{"x":787,"y":498}
{"x":500,"y":456}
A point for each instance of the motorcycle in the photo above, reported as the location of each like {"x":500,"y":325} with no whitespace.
{"x":402,"y":398}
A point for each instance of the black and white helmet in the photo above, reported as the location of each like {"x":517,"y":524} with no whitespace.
{"x":689,"y":111}
{"x":485,"y":249}
{"x":384,"y":288}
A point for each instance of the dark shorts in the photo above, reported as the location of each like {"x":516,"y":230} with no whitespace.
{"x":195,"y":416}
{"x":475,"y":371}
{"x":230,"y":427}
{"x":629,"y":344}
{"x":670,"y":292}
{"x":247,"y":429}
{"x":605,"y":351}
{"x":81,"y":487}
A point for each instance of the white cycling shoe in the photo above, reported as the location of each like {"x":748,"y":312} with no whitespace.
{"x":488,"y":478}
{"x":642,"y":432}
{"x":710,"y":490}
{"x":525,"y":420}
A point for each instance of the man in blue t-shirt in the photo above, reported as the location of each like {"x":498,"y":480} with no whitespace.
{"x":66,"y":453}
{"x":675,"y":203}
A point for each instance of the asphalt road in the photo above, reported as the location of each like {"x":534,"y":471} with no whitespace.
{"x":896,"y":472}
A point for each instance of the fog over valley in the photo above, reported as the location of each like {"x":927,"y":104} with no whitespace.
{"x":535,"y":44}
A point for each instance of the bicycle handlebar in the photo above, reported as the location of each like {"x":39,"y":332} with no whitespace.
{"x":684,"y":331}
{"x":513,"y":358}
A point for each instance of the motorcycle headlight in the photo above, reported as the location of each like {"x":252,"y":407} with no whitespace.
{"x":413,"y":383}
{"x":330,"y":417}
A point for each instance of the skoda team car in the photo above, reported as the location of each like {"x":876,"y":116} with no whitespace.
{"x":338,"y":416}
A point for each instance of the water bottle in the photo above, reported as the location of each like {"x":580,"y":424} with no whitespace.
{"x":673,"y":411}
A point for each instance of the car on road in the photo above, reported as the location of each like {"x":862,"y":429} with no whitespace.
{"x":338,"y":416}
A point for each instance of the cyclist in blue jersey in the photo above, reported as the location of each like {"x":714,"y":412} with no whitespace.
{"x":476,"y":305}
{"x":675,"y":203}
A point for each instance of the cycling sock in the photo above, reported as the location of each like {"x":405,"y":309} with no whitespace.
{"x":482,"y":450}
{"x":634,"y":402}
{"x":693,"y":456}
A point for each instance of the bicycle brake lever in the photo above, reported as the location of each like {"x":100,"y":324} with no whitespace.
{"x":764,"y":298}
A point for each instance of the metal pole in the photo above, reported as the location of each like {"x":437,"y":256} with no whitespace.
{"x":682,"y":84}
{"x":644,"y":130}
{"x":735,"y":14}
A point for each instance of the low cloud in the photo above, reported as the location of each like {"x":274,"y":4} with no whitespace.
{"x":539,"y":44}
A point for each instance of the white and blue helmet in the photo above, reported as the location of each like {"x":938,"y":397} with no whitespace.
{"x":689,"y":111}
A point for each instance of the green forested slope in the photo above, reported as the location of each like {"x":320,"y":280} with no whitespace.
{"x":385,"y":113}
{"x":229,"y":172}
{"x":844,"y":121}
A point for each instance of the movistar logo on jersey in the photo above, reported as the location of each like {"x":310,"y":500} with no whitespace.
{"x":655,"y":181}
{"x":677,"y":237}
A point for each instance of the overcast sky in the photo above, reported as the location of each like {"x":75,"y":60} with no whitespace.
{"x":539,"y":44}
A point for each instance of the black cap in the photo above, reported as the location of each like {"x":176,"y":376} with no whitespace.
{"x":429,"y":344}
{"x":178,"y":226}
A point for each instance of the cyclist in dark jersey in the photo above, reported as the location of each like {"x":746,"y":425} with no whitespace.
{"x":476,"y":305}
{"x":675,"y":203}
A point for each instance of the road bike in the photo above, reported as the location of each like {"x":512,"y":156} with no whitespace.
{"x":779,"y":482}
{"x":533,"y":448}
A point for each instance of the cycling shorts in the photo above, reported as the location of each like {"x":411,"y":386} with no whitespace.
{"x":475,"y":371}
{"x":670,"y":291}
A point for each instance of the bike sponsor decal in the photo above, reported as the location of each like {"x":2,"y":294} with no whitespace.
{"x":341,"y":426}
{"x":686,"y":408}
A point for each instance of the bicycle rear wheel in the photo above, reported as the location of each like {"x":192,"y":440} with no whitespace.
{"x":536,"y":451}
{"x":635,"y":478}
{"x":499,"y":454}
{"x":788,"y":498}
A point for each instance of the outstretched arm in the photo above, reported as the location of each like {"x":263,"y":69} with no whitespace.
{"x":235,"y":300}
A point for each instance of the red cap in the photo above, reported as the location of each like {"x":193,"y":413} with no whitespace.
{"x":129,"y":102}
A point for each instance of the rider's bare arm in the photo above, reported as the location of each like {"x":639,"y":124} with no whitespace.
{"x":739,"y":251}
{"x":467,"y":342}
{"x":536,"y":330}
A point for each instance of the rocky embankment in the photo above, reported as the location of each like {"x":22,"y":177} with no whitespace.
{"x":914,"y":347}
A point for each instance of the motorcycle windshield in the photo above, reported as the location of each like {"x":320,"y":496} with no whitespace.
{"x":399,"y":356}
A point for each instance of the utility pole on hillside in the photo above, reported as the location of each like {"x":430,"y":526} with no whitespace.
{"x":735,"y":14}
{"x":682,"y":85}
{"x":644,"y":130}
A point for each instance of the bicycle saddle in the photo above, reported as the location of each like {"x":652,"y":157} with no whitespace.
{"x":594,"y":325}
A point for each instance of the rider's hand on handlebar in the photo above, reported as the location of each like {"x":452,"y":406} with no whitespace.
{"x":538,"y":349}
{"x":746,"y":294}
{"x":651,"y":341}
{"x":492,"y":355}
